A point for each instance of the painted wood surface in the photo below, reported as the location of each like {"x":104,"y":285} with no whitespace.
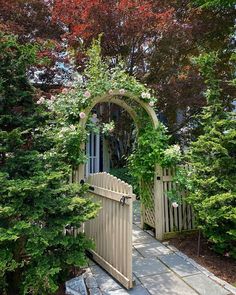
{"x":111,"y":230}
{"x":163,"y":216}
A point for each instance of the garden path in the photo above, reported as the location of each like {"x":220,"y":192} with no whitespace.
{"x":160,"y":269}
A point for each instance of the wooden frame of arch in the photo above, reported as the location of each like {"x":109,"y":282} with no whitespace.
{"x":113,"y":98}
{"x":158,"y":175}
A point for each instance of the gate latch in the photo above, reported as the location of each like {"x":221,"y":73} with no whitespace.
{"x":122,"y":200}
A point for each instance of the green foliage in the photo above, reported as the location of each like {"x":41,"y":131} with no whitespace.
{"x":220,"y":4}
{"x":152,"y":149}
{"x":36,"y":202}
{"x":98,"y":79}
{"x":107,"y":128}
{"x":212,"y":156}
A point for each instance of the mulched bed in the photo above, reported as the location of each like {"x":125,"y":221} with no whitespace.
{"x":61,"y":290}
{"x":221,"y":266}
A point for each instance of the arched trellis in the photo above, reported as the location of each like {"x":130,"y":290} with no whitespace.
{"x":115,"y":97}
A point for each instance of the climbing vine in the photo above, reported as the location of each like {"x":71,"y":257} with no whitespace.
{"x":99,"y":79}
{"x":152,"y":148}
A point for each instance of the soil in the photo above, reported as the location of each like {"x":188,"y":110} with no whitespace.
{"x":221,"y":266}
{"x":61,"y":290}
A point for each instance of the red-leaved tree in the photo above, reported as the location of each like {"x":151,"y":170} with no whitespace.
{"x":128,"y":26}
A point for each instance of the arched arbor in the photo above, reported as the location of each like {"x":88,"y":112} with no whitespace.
{"x":131,"y":103}
{"x":101,"y":83}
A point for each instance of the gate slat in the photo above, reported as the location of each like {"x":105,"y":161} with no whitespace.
{"x":111,"y":230}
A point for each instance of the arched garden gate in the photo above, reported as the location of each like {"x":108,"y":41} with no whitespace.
{"x":112,"y":229}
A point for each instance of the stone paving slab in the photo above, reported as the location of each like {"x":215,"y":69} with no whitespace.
{"x":148,"y":266}
{"x":104,"y":280}
{"x":139,"y":290}
{"x":95,"y":291}
{"x":166,"y":284}
{"x":138,"y":224}
{"x":179,"y":265}
{"x":140,"y":237}
{"x":76,"y":286}
{"x":90,"y":262}
{"x":152,"y":250}
{"x":205,"y":286}
{"x":136,"y":280}
{"x":135,"y":253}
{"x":137,"y":219}
{"x":150,"y":232}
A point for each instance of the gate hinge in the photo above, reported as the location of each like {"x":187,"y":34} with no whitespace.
{"x":123,"y":198}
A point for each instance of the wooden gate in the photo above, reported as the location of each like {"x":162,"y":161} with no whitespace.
{"x":111,"y":230}
{"x":167,"y":220}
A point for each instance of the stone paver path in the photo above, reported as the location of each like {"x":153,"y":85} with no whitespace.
{"x":161,"y":270}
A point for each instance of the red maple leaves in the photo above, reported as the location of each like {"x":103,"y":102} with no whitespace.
{"x":117,"y":20}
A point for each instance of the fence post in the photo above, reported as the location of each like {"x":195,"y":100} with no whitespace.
{"x":159,"y":203}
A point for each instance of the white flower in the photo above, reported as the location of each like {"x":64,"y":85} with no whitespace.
{"x":110,"y":91}
{"x":41,"y":100}
{"x":87,"y":94}
{"x":151,"y":103}
{"x":94,"y":115}
{"x":173,"y":151}
{"x":108,"y":127}
{"x":64,"y":129}
{"x":143,"y":94}
{"x":175,"y":205}
{"x":77,"y":77}
{"x":52,"y":98}
{"x":72,"y":127}
{"x":122,"y":91}
{"x":69,"y":84}
{"x":82,"y":115}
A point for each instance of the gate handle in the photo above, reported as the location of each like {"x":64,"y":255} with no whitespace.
{"x":122,"y":200}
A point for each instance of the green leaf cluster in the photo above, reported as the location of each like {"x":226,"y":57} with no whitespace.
{"x":152,"y":149}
